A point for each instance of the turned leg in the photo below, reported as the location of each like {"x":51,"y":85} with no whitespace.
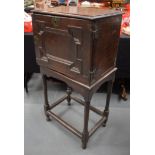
{"x":69,"y":92}
{"x":46,"y":105}
{"x":85,"y":134}
{"x":106,"y":110}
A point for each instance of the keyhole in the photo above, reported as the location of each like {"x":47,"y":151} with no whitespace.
{"x":55,"y":21}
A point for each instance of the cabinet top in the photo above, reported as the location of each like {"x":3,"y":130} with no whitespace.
{"x":79,"y":12}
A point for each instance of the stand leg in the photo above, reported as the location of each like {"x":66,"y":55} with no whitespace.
{"x":106,"y":110}
{"x":46,"y":105}
{"x":85,"y":134}
{"x":69,"y":92}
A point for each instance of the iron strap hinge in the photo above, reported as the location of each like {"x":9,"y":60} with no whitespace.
{"x":92,"y":73}
{"x":95,"y":34}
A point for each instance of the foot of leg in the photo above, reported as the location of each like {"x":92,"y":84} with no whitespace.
{"x":45,"y":111}
{"x":85,"y":137}
{"x":106,"y":114}
{"x":69,"y":92}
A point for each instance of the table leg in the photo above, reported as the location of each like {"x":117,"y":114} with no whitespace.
{"x":85,"y":134}
{"x":69,"y":92}
{"x":106,"y":110}
{"x":46,"y":104}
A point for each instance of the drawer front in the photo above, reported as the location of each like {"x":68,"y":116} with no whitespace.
{"x":61,"y":22}
{"x":63,"y":44}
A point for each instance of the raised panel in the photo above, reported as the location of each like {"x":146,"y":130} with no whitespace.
{"x":58,"y":43}
{"x":61,"y":48}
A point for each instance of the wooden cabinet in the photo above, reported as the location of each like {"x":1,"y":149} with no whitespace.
{"x":81,"y":47}
{"x":78,"y":46}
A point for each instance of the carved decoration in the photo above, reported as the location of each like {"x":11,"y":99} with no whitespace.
{"x":76,"y":33}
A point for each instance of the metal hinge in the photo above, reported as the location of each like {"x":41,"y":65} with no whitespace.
{"x":95,"y":31}
{"x":92,"y":74}
{"x":95,"y":34}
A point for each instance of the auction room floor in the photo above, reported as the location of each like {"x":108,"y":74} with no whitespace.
{"x":50,"y":138}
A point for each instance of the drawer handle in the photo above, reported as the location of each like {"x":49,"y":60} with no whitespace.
{"x":55,"y":21}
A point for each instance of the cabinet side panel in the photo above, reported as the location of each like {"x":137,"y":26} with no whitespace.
{"x":106,"y":44}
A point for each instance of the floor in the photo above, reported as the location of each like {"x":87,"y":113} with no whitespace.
{"x":50,"y":138}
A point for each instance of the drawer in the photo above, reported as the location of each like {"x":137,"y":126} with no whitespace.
{"x":61,"y":22}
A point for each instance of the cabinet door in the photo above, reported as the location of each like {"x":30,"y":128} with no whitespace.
{"x":62,"y":44}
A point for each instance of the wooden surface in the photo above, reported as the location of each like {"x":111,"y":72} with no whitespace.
{"x":79,"y":12}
